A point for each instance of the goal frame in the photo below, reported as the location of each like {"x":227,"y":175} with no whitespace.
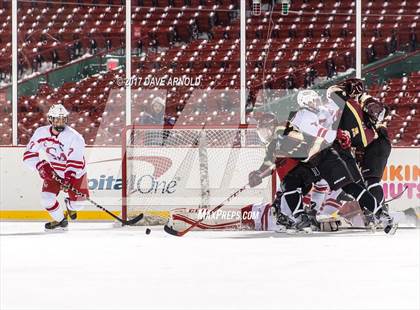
{"x":131,"y":128}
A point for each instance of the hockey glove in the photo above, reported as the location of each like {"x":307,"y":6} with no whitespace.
{"x":69,"y":176}
{"x":254,"y":178}
{"x":46,"y":172}
{"x":382,"y":132}
{"x":343,"y":137}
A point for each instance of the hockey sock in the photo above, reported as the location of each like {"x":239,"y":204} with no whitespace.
{"x":50,"y":203}
{"x":319,"y":194}
{"x":360,"y":194}
{"x":375,"y":188}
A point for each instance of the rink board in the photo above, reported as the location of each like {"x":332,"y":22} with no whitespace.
{"x":20,"y":187}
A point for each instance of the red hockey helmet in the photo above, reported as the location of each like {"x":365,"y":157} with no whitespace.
{"x":353,"y":87}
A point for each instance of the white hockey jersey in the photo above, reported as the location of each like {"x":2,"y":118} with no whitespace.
{"x":329,"y":115}
{"x":64,"y":152}
{"x":308,"y":122}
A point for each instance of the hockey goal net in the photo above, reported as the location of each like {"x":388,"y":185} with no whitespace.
{"x":165,"y":168}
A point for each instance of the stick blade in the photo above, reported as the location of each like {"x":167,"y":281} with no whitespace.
{"x":172,"y":231}
{"x":134,"y":220}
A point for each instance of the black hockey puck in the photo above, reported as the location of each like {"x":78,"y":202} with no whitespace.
{"x":148,"y":231}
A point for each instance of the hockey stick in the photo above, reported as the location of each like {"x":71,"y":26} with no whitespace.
{"x":78,"y":193}
{"x":396,"y":197}
{"x":174,"y":232}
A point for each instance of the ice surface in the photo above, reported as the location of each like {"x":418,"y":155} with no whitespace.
{"x":97,"y":266}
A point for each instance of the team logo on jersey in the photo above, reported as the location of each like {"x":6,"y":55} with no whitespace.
{"x":52,"y":151}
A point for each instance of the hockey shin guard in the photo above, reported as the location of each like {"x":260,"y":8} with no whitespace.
{"x":375,"y":188}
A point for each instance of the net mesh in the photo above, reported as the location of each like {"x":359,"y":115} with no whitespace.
{"x":190,"y":167}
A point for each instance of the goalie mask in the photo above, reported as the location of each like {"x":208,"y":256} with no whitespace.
{"x":58,"y":116}
{"x":309,"y":99}
{"x":373,"y":109}
{"x":266,"y":127}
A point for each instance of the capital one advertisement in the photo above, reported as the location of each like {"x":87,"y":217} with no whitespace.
{"x":165,"y":179}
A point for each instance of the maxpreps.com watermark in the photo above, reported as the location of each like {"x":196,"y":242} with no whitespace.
{"x":226,"y":215}
{"x":154,"y":81}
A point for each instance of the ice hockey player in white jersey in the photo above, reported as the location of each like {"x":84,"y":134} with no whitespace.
{"x":64,"y":150}
{"x":314,"y":117}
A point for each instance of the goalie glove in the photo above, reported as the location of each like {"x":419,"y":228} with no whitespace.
{"x":46,"y":172}
{"x":69,"y":176}
{"x":343,"y":137}
{"x":254,"y":178}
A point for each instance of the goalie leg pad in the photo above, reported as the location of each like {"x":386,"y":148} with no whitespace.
{"x":331,"y":225}
{"x":251,"y":217}
{"x":227,"y":219}
{"x":352,"y":214}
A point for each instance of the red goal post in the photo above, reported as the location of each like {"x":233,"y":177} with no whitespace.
{"x":168,"y":167}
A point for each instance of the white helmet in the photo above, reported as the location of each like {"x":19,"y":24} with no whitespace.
{"x":308,"y":99}
{"x":57,"y":116}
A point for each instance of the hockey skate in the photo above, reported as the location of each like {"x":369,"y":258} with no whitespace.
{"x":311,"y":213}
{"x":387,"y":222}
{"x":380,"y":219}
{"x":71,"y":213}
{"x":302,"y":223}
{"x":57,"y":226}
{"x":370,"y":222}
{"x":283,"y":221}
